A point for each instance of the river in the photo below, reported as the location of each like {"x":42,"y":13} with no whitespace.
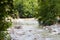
{"x":28,"y":29}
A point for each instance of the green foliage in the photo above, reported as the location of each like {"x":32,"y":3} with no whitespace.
{"x":6,"y":9}
{"x":44,"y":10}
{"x":4,"y":35}
{"x":4,"y":25}
{"x":58,"y":7}
{"x":26,"y":8}
{"x":47,"y":12}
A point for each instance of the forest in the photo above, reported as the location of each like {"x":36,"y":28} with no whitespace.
{"x":47,"y":12}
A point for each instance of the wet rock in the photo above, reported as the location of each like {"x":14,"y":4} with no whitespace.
{"x":30,"y":30}
{"x":18,"y":27}
{"x":58,"y":33}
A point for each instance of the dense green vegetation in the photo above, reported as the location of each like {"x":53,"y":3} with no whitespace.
{"x":58,"y":6}
{"x":26,"y":8}
{"x":45,"y":11}
{"x":6,"y":9}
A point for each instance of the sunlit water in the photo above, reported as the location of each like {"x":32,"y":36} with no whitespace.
{"x":28,"y":29}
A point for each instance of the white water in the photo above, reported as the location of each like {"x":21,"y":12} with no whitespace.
{"x":27,"y":29}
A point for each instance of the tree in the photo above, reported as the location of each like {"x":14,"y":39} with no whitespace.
{"x":58,"y":7}
{"x":6,"y":9}
{"x":26,"y":8}
{"x":47,"y":12}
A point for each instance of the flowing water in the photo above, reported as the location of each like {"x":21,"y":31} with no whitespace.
{"x":28,"y":29}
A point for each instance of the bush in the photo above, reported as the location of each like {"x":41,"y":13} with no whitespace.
{"x":26,"y":8}
{"x":6,"y":9}
{"x":47,"y":12}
